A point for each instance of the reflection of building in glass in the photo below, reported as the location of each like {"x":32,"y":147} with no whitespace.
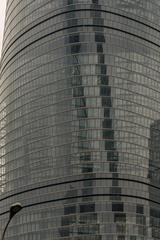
{"x":80,"y":97}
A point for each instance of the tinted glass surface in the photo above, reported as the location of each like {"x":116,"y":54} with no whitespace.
{"x":80,"y":119}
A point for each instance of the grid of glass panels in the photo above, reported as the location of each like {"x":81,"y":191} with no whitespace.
{"x":80,"y":119}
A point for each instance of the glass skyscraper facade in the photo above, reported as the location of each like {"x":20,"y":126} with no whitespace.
{"x":80,"y":119}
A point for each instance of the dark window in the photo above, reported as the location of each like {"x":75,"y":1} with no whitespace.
{"x":103,"y":69}
{"x":95,"y":1}
{"x":115,"y":175}
{"x":96,"y":6}
{"x":75,"y":61}
{"x":75,"y":48}
{"x":88,"y":218}
{"x":108,"y":134}
{"x":106,"y":102}
{"x":76,"y":70}
{"x":99,"y":48}
{"x":104,"y":80}
{"x":113,"y":167}
{"x":88,"y":183}
{"x":85,"y":157}
{"x":87,"y":191}
{"x":64,"y":232}
{"x":117,"y":207}
{"x":70,"y":2}
{"x":80,"y":102}
{"x":87,"y":208}
{"x":72,"y":22}
{"x":139,"y":209}
{"x":115,"y":190}
{"x":109,"y":145}
{"x":87,"y":168}
{"x":82,"y":124}
{"x":107,"y":123}
{"x":95,"y":14}
{"x":99,"y":38}
{"x":71,"y":14}
{"x":101,"y":58}
{"x":82,"y":113}
{"x":115,"y":182}
{"x":78,"y":92}
{"x":106,"y":112}
{"x":121,"y":238}
{"x":75,"y":81}
{"x":67,"y":220}
{"x":98,"y":21}
{"x":74,"y":38}
{"x":133,"y":238}
{"x":112,"y":156}
{"x":119,"y":217}
{"x":69,"y":210}
{"x":105,"y":91}
{"x":155,"y":213}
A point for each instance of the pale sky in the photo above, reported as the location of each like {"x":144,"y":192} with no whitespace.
{"x":2,"y":16}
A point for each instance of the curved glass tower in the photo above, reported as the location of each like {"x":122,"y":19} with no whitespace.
{"x":80,"y":119}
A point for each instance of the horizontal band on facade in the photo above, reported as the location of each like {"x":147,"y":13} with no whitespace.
{"x":84,"y":196}
{"x":81,"y":10}
{"x":76,"y":10}
{"x":77,"y":26}
{"x":82,"y":180}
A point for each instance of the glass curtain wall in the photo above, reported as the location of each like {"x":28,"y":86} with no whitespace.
{"x":80,"y":119}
